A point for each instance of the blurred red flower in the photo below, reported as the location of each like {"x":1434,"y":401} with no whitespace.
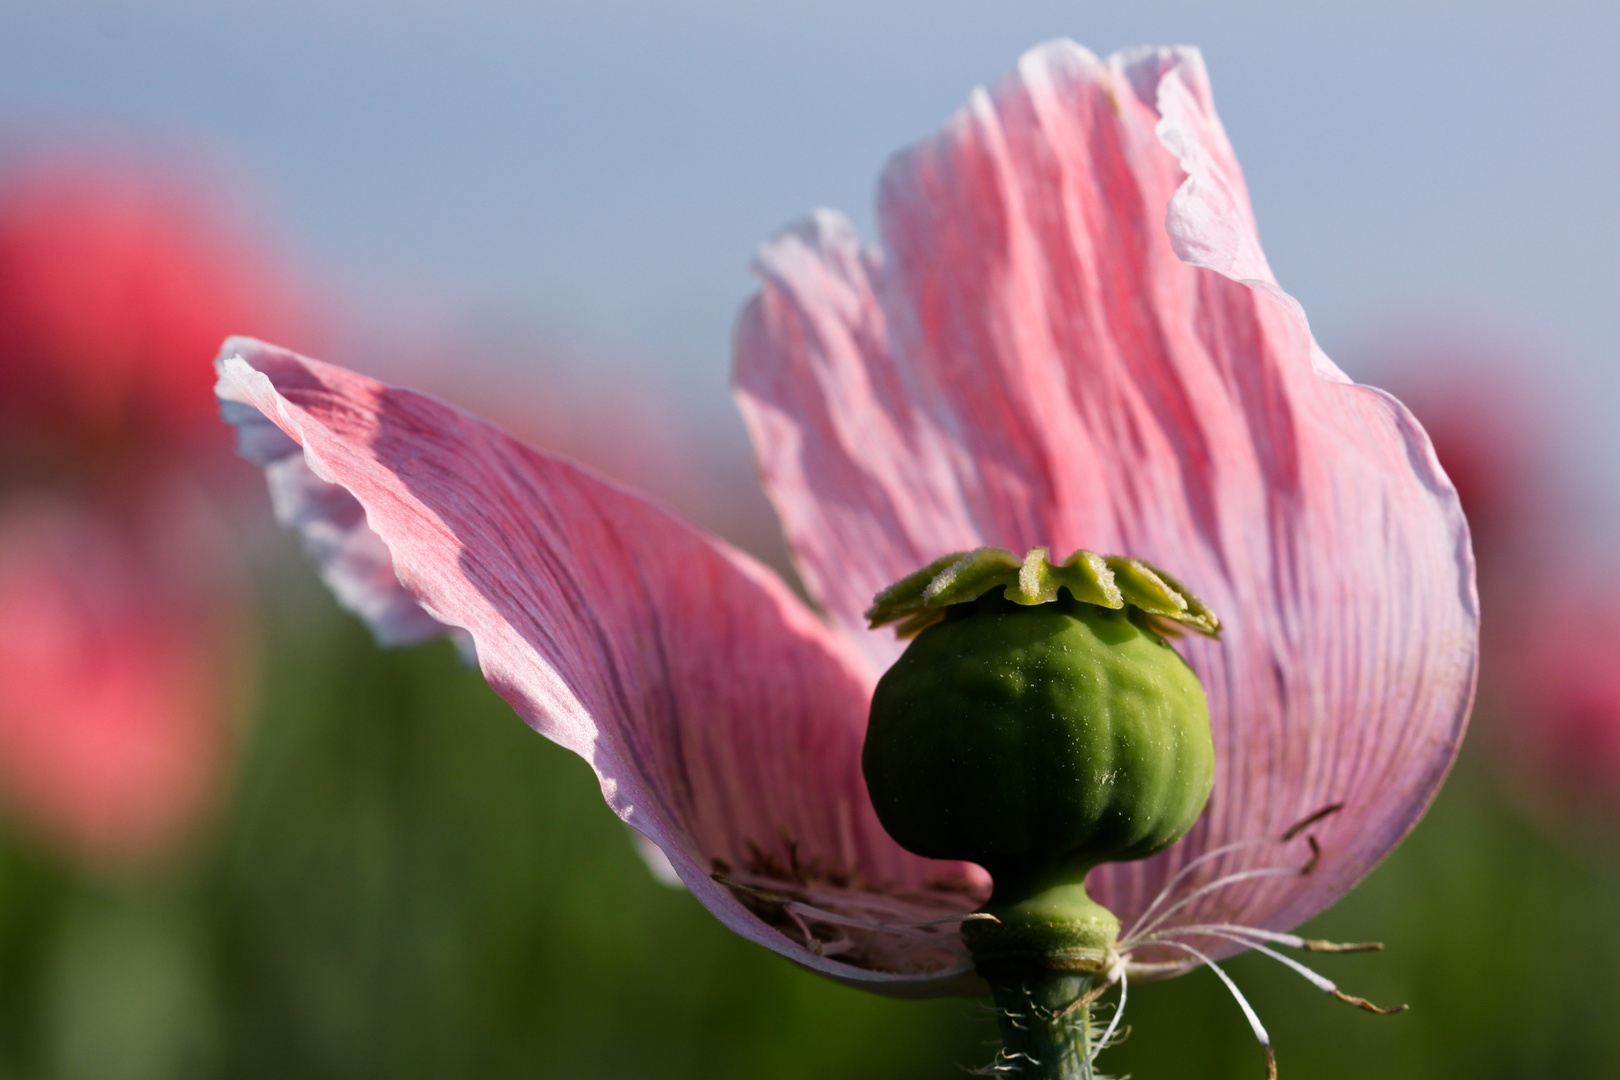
{"x":121,"y":620}
{"x":1559,"y":733}
{"x":1549,"y":693}
{"x":113,"y":733}
{"x":116,"y":288}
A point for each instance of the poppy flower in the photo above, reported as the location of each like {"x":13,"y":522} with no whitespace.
{"x":1069,"y":338}
{"x":122,"y":629}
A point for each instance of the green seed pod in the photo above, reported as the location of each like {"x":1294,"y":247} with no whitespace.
{"x":1039,"y":735}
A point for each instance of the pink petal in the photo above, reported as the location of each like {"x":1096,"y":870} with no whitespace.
{"x":1072,"y":339}
{"x":723,"y":719}
{"x":331,"y":524}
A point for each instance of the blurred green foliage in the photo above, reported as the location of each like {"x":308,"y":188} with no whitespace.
{"x":408,"y":883}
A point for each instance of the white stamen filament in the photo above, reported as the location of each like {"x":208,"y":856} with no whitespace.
{"x":1243,"y":1003}
{"x":1321,"y":982}
{"x":1177,"y":878}
{"x":1218,"y":883}
{"x":1108,"y":1032}
{"x":1293,"y":941}
{"x":1246,"y":936}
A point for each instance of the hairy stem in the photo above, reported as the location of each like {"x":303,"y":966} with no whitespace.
{"x":1044,"y":1036}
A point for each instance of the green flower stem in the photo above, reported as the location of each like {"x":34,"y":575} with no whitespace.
{"x":1044,"y":1036}
{"x":1039,"y":725}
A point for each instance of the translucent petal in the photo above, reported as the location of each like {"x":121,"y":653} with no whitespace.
{"x":722,"y":717}
{"x":1071,"y":339}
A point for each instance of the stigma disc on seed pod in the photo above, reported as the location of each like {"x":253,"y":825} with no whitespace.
{"x":919,"y":600}
{"x":1039,"y":724}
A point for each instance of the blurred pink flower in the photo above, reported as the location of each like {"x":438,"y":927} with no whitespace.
{"x":1549,"y":685}
{"x":1071,"y":339}
{"x":113,"y":282}
{"x":1556,"y":729}
{"x":121,"y":665}
{"x":121,"y":616}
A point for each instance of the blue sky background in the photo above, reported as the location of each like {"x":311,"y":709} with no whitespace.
{"x":574,"y":190}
